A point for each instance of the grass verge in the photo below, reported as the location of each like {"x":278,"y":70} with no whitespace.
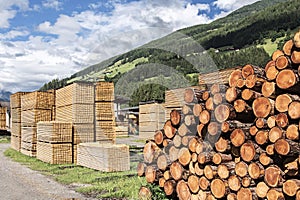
{"x":87,"y":181}
{"x":4,"y":139}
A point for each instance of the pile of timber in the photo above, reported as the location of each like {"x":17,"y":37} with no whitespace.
{"x":35,"y":107}
{"x":15,"y":108}
{"x":3,"y":118}
{"x":54,"y":142}
{"x":104,"y":112}
{"x":237,"y":141}
{"x":151,"y":118}
{"x":75,"y":104}
{"x":104,"y":156}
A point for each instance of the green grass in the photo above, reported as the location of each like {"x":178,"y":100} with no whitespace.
{"x":4,"y":139}
{"x":270,"y":46}
{"x":91,"y":182}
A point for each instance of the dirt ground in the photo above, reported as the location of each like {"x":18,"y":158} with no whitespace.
{"x":19,"y":182}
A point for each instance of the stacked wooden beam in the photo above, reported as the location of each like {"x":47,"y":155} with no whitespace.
{"x":35,"y":107}
{"x":105,"y":115}
{"x":151,"y":118}
{"x":238,"y":140}
{"x":54,"y":142}
{"x":104,"y":157}
{"x":3,"y":118}
{"x":75,"y":104}
{"x":15,"y":108}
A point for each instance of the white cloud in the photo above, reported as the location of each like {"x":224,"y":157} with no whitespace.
{"x":230,"y":5}
{"x":8,"y":10}
{"x":54,"y":4}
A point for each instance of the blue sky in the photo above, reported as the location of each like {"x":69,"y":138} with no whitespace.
{"x":47,"y":39}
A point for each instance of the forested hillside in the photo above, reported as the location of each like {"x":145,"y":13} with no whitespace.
{"x":247,"y":35}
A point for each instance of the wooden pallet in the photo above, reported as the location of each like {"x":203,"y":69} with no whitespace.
{"x":58,"y":153}
{"x":76,"y":93}
{"x":104,"y":157}
{"x":54,"y":132}
{"x":104,"y":92}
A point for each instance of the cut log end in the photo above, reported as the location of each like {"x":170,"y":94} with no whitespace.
{"x":247,"y":151}
{"x":261,"y":107}
{"x":145,"y":193}
{"x":218,"y":188}
{"x":286,"y":79}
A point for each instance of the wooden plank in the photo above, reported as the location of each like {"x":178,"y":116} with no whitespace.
{"x":104,"y":92}
{"x":75,"y":113}
{"x":37,"y":100}
{"x":54,"y":132}
{"x":104,"y":157}
{"x":54,"y":153}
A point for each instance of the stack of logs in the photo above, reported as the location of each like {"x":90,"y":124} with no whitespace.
{"x":234,"y":141}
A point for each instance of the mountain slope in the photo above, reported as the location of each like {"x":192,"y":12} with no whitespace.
{"x":5,"y":96}
{"x":237,"y":39}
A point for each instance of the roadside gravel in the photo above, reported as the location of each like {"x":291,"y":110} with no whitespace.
{"x":19,"y":182}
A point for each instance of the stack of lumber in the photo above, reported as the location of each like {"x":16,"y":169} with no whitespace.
{"x":75,"y":104}
{"x":104,"y":157}
{"x":3,"y":118}
{"x":54,"y":142}
{"x":237,"y":141}
{"x":35,"y":107}
{"x":151,"y":118}
{"x":15,"y":108}
{"x":105,"y":115}
{"x":121,"y":128}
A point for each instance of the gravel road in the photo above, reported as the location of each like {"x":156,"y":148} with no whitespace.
{"x":19,"y":182}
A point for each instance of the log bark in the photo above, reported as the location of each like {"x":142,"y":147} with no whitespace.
{"x":262,"y":107}
{"x":290,"y":187}
{"x":294,"y":110}
{"x":183,"y":190}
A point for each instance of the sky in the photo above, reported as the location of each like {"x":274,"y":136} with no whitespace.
{"x":48,"y":39}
